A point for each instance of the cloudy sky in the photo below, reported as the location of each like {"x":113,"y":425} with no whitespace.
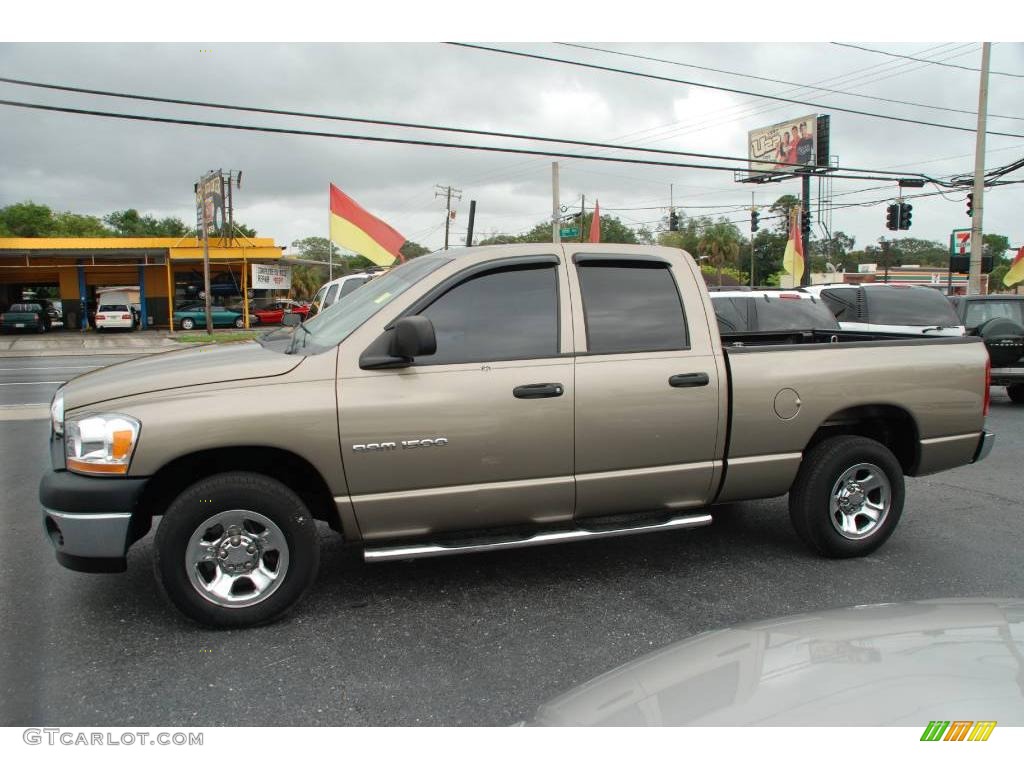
{"x":96,"y":165}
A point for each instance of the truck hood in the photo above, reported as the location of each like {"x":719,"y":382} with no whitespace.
{"x":208,"y":364}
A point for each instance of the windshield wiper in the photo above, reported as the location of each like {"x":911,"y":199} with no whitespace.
{"x":295,"y":337}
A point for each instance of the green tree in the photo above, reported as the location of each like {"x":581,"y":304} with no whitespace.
{"x":721,"y":244}
{"x":411,"y":249}
{"x":69,"y":224}
{"x":995,"y":278}
{"x":27,"y":219}
{"x":995,"y":246}
{"x":130,"y":223}
{"x":780,"y":210}
{"x":612,"y":231}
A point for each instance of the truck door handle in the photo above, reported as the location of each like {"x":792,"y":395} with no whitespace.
{"x":533,"y":391}
{"x":689,"y":380}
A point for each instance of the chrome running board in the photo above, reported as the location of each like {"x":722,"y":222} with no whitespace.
{"x":409,"y":552}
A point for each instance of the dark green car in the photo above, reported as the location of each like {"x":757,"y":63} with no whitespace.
{"x":191,"y":316}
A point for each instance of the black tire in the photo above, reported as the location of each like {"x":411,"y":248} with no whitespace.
{"x":239,"y":322}
{"x":249,"y":491}
{"x":1015,"y":392}
{"x":187,"y":324}
{"x":810,"y":498}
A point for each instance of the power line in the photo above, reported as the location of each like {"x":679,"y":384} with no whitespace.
{"x":394,"y":123}
{"x":663,"y":78}
{"x":423,"y":142}
{"x":912,"y":58}
{"x":786,"y":82}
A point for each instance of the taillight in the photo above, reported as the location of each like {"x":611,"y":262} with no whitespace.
{"x":988,"y":384}
{"x":126,"y":317}
{"x":101,"y":317}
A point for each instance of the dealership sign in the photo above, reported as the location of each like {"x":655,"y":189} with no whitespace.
{"x":268,"y":276}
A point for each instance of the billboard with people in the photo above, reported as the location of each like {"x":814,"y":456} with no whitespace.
{"x":784,"y":146}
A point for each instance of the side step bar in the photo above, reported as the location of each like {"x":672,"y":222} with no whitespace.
{"x":409,"y":552}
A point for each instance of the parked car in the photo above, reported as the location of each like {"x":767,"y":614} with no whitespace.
{"x":114,"y":316}
{"x":189,"y":316}
{"x":25,"y":317}
{"x":888,"y":308}
{"x":272,"y":314}
{"x":487,"y":399}
{"x":783,"y":314}
{"x":999,"y":320}
{"x":329,"y":293}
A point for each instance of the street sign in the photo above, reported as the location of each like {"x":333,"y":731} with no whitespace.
{"x":960,"y":242}
{"x":569,"y":232}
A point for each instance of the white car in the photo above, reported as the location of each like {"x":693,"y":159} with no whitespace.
{"x":110,"y":316}
{"x":890,"y":308}
{"x":329,"y":293}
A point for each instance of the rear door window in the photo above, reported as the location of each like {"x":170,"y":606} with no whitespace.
{"x":332,"y":295}
{"x":631,"y":306}
{"x":731,"y":313}
{"x":350,"y":285}
{"x":979,"y":312}
{"x":779,"y":314}
{"x":843,"y":303}
{"x":909,"y":306}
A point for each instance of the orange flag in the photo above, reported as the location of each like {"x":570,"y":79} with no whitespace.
{"x":1016,"y":272}
{"x":358,"y":230}
{"x":595,"y":225}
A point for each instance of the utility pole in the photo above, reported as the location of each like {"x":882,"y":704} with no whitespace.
{"x":753,"y":208}
{"x":448,"y":193}
{"x":472,"y":220}
{"x":556,"y":236}
{"x":583,"y":214}
{"x":805,"y":226}
{"x":974,"y":277}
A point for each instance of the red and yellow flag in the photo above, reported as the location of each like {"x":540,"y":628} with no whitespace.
{"x":793,"y":258}
{"x":356,"y":229}
{"x":1016,"y":271}
{"x":595,"y":225}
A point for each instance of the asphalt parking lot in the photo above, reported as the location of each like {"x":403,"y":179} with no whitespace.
{"x":471,"y":640}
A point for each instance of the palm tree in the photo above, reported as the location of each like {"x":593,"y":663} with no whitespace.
{"x":720,"y":241}
{"x":306,"y":280}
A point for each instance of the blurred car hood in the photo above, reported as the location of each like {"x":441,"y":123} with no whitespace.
{"x":889,"y":664}
{"x":207,"y":364}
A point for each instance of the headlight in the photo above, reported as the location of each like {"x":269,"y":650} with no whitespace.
{"x":100,"y":444}
{"x":57,"y":412}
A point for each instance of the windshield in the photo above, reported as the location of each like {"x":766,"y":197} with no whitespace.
{"x":113,"y":308}
{"x":910,"y":306}
{"x":979,"y":312}
{"x":334,"y":324}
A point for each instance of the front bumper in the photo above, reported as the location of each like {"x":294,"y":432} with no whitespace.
{"x":985,"y":443}
{"x":91,"y":521}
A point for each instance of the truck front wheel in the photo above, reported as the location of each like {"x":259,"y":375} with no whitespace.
{"x":848,"y":496}
{"x":236,"y":549}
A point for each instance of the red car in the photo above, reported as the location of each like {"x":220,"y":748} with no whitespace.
{"x":272,"y":314}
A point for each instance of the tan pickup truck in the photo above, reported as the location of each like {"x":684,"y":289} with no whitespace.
{"x":491,"y":398}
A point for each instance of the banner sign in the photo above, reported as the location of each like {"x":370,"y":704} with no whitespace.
{"x":268,"y":276}
{"x":210,"y":203}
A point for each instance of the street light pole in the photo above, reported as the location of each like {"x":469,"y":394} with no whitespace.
{"x":974,"y":278}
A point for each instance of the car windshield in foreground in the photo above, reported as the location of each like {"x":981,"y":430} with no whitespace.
{"x":334,"y":324}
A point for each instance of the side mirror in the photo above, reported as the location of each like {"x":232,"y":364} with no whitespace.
{"x":413,"y":336}
{"x":291,"y":319}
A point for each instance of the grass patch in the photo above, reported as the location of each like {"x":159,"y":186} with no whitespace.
{"x":216,"y":338}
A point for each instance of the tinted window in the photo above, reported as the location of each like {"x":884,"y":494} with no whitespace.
{"x":979,"y":312}
{"x":332,"y":294}
{"x":842,"y":302}
{"x":909,"y":306}
{"x":779,"y":314}
{"x":631,"y":307}
{"x":113,"y":308}
{"x":731,"y":313}
{"x":504,"y":315}
{"x":350,"y":285}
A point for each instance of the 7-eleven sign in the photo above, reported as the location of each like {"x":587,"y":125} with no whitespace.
{"x":960,"y":242}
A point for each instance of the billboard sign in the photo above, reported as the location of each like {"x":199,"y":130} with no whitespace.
{"x":210,"y":202}
{"x":269,"y":276}
{"x":775,"y":147}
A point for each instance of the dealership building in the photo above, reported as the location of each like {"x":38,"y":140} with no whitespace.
{"x":168,"y":271}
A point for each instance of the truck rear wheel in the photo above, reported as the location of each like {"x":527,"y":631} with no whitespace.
{"x":847,"y":497}
{"x":1016,"y":392}
{"x":236,"y":549}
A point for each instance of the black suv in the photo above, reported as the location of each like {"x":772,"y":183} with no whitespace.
{"x":999,"y":320}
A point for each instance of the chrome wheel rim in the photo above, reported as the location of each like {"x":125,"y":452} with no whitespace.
{"x":860,"y":501}
{"x":236,"y":558}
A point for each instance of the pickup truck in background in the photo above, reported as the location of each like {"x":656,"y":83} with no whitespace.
{"x":24,"y":317}
{"x":999,"y":320}
{"x":486,"y":399}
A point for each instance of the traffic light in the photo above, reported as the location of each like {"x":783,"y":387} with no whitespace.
{"x":892,"y":215}
{"x":905,"y":209}
{"x":970,"y":204}
{"x":754,"y":216}
{"x":673,"y":221}
{"x":805,"y":221}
